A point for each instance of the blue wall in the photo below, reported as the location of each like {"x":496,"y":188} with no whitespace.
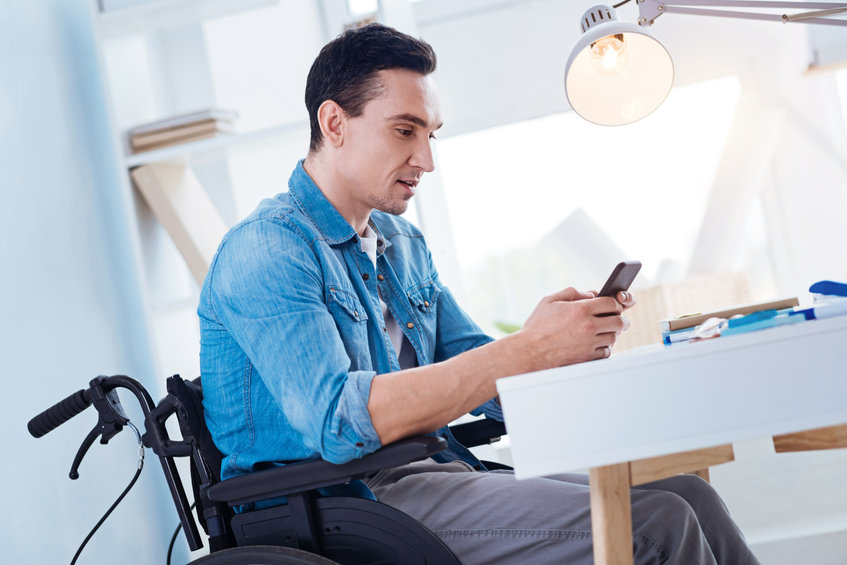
{"x":69,"y":294}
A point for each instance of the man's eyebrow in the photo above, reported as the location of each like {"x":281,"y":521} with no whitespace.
{"x":413,"y":119}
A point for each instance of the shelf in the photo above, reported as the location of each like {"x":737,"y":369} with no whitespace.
{"x":221,"y":142}
{"x":144,"y":15}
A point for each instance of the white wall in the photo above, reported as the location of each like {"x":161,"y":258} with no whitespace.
{"x":70,"y":296}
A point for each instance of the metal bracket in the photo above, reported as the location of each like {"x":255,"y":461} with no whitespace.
{"x":648,"y":11}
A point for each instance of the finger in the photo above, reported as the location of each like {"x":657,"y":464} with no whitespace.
{"x":610,"y":324}
{"x":603,"y":352}
{"x":605,"y":306}
{"x":607,"y":339}
{"x":625,"y":299}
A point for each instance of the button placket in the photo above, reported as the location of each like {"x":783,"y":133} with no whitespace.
{"x":380,"y":278}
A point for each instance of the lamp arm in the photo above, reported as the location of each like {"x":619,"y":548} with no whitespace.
{"x":649,"y":10}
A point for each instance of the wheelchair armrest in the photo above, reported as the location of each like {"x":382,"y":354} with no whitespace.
{"x":313,"y":474}
{"x":478,"y":432}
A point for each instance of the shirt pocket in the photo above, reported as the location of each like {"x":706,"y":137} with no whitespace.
{"x":351,"y":319}
{"x":347,"y":302}
{"x":424,"y":299}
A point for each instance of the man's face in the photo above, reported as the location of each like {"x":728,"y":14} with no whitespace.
{"x":387,"y":149}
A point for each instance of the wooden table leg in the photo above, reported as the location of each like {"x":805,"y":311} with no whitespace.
{"x":611,"y":514}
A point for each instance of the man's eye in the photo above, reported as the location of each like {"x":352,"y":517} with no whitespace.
{"x":404,"y":132}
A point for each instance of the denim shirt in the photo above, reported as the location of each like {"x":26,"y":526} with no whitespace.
{"x":292,"y":332}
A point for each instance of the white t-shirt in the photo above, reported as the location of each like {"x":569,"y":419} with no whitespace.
{"x":395,"y":332}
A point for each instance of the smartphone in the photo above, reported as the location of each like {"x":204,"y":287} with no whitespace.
{"x":622,"y":276}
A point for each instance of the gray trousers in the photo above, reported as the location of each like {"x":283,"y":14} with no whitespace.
{"x":491,"y":518}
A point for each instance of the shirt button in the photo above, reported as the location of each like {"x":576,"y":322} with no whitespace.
{"x":426,"y":303}
{"x":380,"y":278}
{"x":365,"y":276}
{"x":410,"y":325}
{"x":379,"y":243}
{"x":360,"y":444}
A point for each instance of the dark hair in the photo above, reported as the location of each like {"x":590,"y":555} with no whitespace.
{"x":345,"y":69}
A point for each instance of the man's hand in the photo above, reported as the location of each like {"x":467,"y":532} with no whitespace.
{"x":571,"y":326}
{"x":567,"y":327}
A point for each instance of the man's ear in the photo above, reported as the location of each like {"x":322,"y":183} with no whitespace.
{"x":333,"y":122}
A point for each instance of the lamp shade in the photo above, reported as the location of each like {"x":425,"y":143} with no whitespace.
{"x":617,"y":72}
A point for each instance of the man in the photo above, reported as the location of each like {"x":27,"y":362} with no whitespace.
{"x":326,"y":332}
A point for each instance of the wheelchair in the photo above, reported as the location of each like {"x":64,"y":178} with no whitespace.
{"x":298,"y":525}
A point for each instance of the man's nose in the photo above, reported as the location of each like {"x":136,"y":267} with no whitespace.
{"x":422,"y":157}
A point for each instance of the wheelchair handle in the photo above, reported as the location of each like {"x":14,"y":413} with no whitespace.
{"x":59,"y":413}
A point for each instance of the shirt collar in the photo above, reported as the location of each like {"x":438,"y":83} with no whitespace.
{"x":381,"y":243}
{"x":312,"y":202}
{"x":317,"y":208}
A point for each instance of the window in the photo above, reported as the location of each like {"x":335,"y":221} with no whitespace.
{"x":556,"y":201}
{"x":362,"y":7}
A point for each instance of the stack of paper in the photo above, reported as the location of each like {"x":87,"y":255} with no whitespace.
{"x":830,"y":299}
{"x":684,"y":328}
{"x":183,"y":128}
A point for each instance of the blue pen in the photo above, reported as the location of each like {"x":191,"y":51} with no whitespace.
{"x":767,"y":319}
{"x":752,"y":318}
{"x":821,"y":311}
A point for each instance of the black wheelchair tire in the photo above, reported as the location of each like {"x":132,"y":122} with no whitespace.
{"x":262,"y":555}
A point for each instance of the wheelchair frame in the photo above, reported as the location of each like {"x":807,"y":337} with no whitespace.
{"x":301,"y":526}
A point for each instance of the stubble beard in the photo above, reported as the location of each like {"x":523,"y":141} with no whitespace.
{"x":390,"y":206}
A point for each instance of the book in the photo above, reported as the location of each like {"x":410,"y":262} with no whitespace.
{"x":683,"y":322}
{"x":738,"y":324}
{"x":677,"y":336}
{"x":180,"y":120}
{"x":184,"y":134}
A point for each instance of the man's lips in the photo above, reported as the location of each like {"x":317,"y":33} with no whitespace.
{"x":410,"y":184}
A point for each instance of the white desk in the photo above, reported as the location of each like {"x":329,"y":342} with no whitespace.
{"x":658,"y":401}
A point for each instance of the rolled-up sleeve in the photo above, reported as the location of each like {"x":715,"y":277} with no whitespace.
{"x":490,"y":409}
{"x":267,"y":290}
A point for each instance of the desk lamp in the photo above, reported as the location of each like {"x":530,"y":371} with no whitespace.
{"x":618,"y":72}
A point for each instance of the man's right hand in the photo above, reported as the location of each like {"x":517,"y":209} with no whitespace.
{"x":571,"y":326}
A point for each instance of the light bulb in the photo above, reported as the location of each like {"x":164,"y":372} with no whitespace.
{"x":617,"y":72}
{"x":609,"y":55}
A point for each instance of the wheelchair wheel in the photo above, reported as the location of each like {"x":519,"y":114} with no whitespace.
{"x":262,"y":555}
